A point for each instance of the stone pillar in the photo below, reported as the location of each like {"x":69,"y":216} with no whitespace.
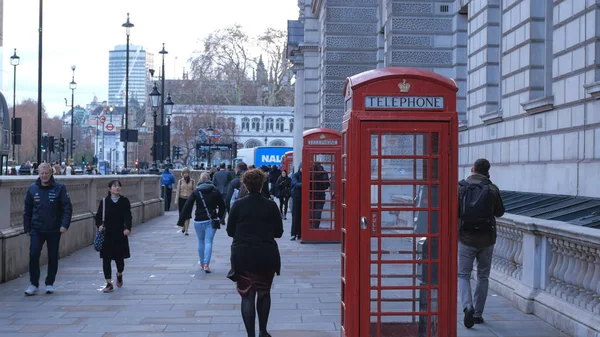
{"x":298,"y":113}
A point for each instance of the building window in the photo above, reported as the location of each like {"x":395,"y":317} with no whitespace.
{"x":279,"y":124}
{"x":269,"y":124}
{"x":291,"y":125}
{"x":245,"y":124}
{"x":256,"y":124}
{"x":278,"y":142}
{"x":252,"y":143}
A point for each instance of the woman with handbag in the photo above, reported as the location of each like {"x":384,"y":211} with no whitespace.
{"x":185,"y":187}
{"x":254,"y":223}
{"x":113,"y":219}
{"x":210,"y":207}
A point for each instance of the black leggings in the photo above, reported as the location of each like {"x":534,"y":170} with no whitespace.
{"x":107,"y":268}
{"x":263,"y":307}
{"x":283,"y":205}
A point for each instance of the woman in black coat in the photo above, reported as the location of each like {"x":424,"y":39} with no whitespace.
{"x":284,"y":187}
{"x":254,"y":222}
{"x":116,"y":227}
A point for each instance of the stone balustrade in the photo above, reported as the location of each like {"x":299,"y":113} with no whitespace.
{"x":550,"y":269}
{"x":86,"y":192}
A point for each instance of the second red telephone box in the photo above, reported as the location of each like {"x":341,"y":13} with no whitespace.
{"x":287,"y":162}
{"x":321,"y":154}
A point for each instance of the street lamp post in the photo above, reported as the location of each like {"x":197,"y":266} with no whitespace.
{"x":14,"y":61}
{"x":168,"y":104}
{"x":72,"y":86}
{"x":155,"y":98}
{"x":209,"y":135}
{"x":163,"y":52}
{"x":128,"y":25}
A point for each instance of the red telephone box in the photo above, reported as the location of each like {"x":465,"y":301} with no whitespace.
{"x":287,"y":162}
{"x":399,"y":204}
{"x":321,"y":155}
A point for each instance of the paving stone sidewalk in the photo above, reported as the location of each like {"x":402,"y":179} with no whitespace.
{"x":166,"y":294}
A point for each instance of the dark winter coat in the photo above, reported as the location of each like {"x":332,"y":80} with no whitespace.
{"x":47,"y":208}
{"x":117,"y":218}
{"x":496,"y":204}
{"x":274,"y":175}
{"x":284,"y":186}
{"x":297,"y":185}
{"x":212,"y":198}
{"x":254,"y":222}
{"x":233,"y":185}
{"x":221,"y":180}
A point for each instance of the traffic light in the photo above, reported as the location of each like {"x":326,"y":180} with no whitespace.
{"x":51,"y":144}
{"x":44,"y":141}
{"x":56,"y":145}
{"x":62,"y":145}
{"x":137,"y":164}
{"x":74,"y":145}
{"x":82,"y":160}
{"x":234,"y":146}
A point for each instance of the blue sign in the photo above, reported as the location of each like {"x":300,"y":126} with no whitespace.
{"x":269,"y":155}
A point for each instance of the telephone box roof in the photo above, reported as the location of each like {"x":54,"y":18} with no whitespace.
{"x":366,"y":77}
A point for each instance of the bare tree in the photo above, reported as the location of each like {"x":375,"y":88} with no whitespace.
{"x":280,"y":91}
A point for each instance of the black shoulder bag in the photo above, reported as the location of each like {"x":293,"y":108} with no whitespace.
{"x":216,"y":224}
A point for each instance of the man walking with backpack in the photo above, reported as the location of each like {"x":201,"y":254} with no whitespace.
{"x":479,"y":203}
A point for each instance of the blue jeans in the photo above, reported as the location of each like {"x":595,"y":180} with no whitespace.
{"x":466,"y":256}
{"x":205,"y":233}
{"x":36,"y":242}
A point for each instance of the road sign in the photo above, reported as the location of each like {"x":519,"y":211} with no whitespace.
{"x":110,"y":126}
{"x":103,"y":119}
{"x":215,"y":136}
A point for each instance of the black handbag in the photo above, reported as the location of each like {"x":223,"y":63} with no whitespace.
{"x":216,"y":223}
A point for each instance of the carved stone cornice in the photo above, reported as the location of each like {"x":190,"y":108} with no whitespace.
{"x":539,"y":105}
{"x":492,"y":117}
{"x":308,"y":47}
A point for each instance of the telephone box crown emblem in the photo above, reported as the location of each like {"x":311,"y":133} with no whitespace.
{"x":322,"y":136}
{"x":404,"y":87}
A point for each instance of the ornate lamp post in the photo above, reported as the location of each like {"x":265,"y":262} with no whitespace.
{"x":168,"y":105}
{"x":14,"y":61}
{"x":128,"y":25}
{"x":72,"y":86}
{"x":155,"y":98}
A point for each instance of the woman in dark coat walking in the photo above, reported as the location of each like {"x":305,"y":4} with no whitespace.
{"x":284,"y":188}
{"x":254,"y":222}
{"x":116,"y":228}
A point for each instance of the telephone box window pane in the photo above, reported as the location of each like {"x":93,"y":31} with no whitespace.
{"x":398,"y":249}
{"x":435,"y":164}
{"x":406,"y":326}
{"x":434,"y":273}
{"x":421,"y":224}
{"x":374,"y":169}
{"x":374,"y":249}
{"x":403,"y":169}
{"x":398,"y":301}
{"x":404,"y":144}
{"x":403,"y":196}
{"x":374,"y":196}
{"x":374,"y":144}
{"x":434,"y":222}
{"x":434,"y":300}
{"x":433,"y":326}
{"x":435,"y":139}
{"x":434,"y":195}
{"x":397,"y":275}
{"x":397,"y":222}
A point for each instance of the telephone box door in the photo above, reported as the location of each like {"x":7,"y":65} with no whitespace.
{"x":403,"y":248}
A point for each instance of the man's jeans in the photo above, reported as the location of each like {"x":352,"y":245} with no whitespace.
{"x":466,"y":256}
{"x":36,"y":242}
{"x":205,"y":233}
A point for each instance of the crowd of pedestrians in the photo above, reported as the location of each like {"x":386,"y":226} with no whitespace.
{"x":254,"y":221}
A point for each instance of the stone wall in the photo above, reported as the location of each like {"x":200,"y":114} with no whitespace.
{"x":86,"y":193}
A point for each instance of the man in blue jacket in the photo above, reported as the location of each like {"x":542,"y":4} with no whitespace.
{"x":47,"y":215}
{"x":167,"y":180}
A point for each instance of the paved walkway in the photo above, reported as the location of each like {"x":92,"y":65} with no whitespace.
{"x":165,"y":294}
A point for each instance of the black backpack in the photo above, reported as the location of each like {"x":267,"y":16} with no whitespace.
{"x":475,"y":211}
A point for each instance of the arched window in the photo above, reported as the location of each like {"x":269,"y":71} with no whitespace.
{"x":246,"y":124}
{"x":269,"y":124}
{"x":250,"y":143}
{"x":279,"y":124}
{"x":278,"y":142}
{"x":256,"y":124}
{"x":291,"y":124}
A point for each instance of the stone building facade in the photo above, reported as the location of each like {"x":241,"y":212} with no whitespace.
{"x":527,"y":70}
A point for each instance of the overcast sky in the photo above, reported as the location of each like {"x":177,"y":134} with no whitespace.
{"x":81,"y":33}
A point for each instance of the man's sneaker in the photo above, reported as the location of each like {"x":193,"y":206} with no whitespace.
{"x":478,"y":320}
{"x":31,"y":290}
{"x":49,"y":289}
{"x":108,"y":288}
{"x":469,"y":321}
{"x":119,"y":280}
